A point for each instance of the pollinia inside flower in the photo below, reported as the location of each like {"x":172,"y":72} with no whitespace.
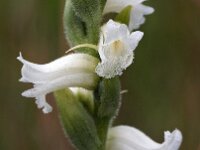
{"x":85,"y":82}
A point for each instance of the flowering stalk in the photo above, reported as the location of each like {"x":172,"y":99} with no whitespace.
{"x":86,"y":84}
{"x":108,"y":100}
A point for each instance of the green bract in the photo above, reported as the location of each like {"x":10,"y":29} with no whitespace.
{"x":82,"y":21}
{"x":77,"y":31}
{"x":76,"y":121}
{"x":124,"y":15}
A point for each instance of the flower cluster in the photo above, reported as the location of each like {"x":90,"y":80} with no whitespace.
{"x":81,"y":73}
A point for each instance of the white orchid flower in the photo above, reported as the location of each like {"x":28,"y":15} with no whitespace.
{"x":75,"y":70}
{"x":129,"y":138}
{"x":137,"y":14}
{"x":116,"y":48}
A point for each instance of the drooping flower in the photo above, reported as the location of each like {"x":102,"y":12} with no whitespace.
{"x":137,"y":13}
{"x":116,"y":48}
{"x":129,"y":138}
{"x":75,"y":70}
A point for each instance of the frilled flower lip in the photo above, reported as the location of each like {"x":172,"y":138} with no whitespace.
{"x":116,"y":48}
{"x":129,"y":138}
{"x":138,"y":10}
{"x":75,"y":70}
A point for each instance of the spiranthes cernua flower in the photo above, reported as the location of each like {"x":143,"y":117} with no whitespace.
{"x":129,"y":138}
{"x":116,"y":48}
{"x":137,"y":13}
{"x":74,"y":70}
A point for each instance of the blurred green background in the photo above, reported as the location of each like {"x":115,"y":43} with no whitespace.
{"x":163,"y":83}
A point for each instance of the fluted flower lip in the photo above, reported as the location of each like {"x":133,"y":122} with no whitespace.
{"x":116,"y":48}
{"x":74,"y":70}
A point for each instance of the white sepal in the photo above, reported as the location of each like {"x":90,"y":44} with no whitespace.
{"x":129,"y":138}
{"x":116,"y":48}
{"x":75,"y":70}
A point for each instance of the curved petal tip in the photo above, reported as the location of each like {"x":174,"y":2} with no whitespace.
{"x":173,"y":140}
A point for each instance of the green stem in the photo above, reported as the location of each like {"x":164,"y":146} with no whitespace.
{"x":102,"y":125}
{"x":107,"y":104}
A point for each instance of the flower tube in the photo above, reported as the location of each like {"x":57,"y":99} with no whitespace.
{"x":75,"y":70}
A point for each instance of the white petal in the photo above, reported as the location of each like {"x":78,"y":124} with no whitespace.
{"x":128,"y":137}
{"x":113,"y":67}
{"x":113,"y":34}
{"x":137,"y":15}
{"x":41,"y":103}
{"x":113,"y":31}
{"x":128,"y":61}
{"x":109,"y":69}
{"x":115,"y":5}
{"x":135,"y":38}
{"x":85,"y":80}
{"x":172,"y":140}
{"x":147,"y":10}
{"x":119,"y":5}
{"x":69,"y":64}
